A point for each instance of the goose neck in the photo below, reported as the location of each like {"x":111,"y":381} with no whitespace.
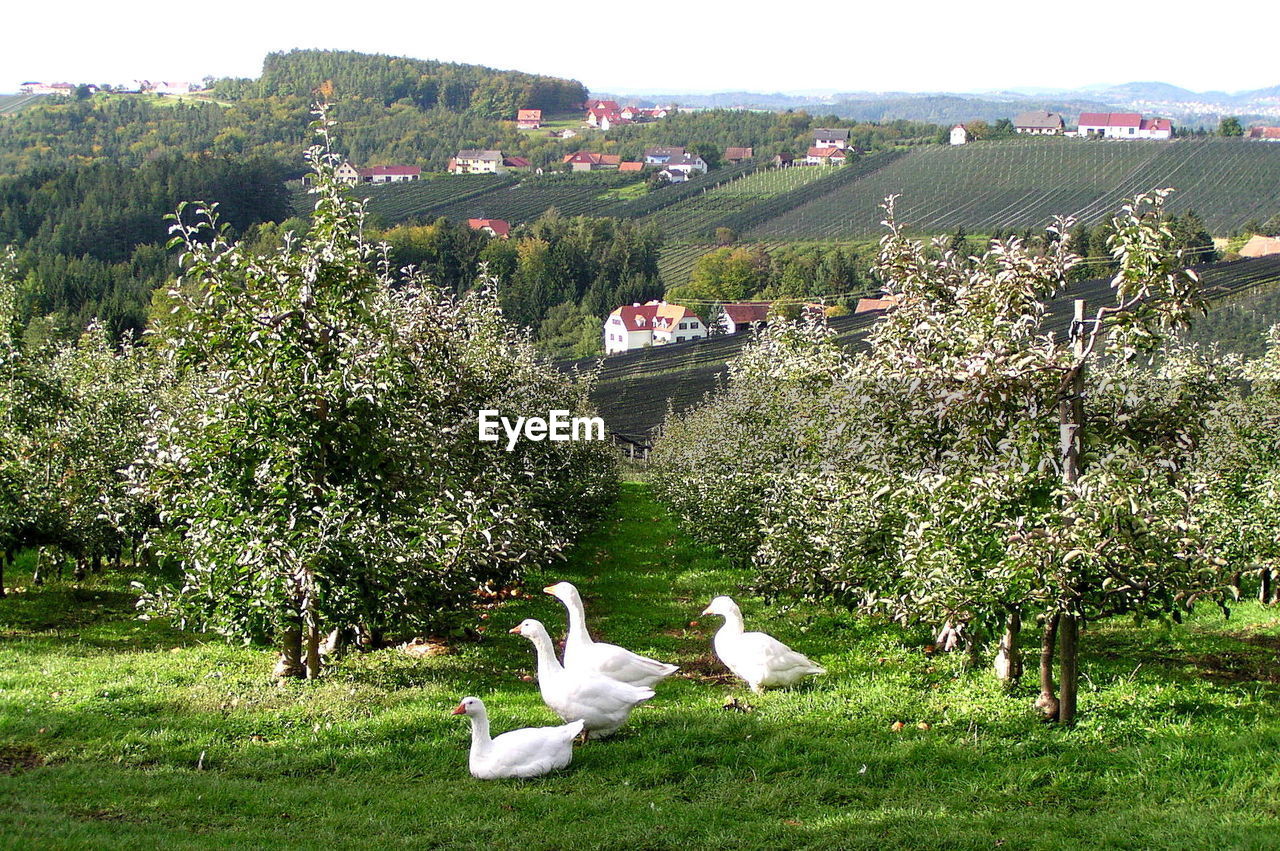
{"x":547,"y":661}
{"x":480,"y":733}
{"x":733,"y":622}
{"x":577,"y":619}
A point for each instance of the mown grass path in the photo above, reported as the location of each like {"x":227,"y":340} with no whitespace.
{"x":120,"y":733}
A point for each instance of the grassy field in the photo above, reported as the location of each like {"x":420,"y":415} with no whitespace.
{"x":125,"y":733}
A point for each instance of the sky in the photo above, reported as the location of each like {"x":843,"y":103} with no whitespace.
{"x":924,"y":45}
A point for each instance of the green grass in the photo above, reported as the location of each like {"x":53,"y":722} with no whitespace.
{"x":124,"y":733}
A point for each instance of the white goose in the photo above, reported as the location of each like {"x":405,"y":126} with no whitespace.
{"x":528,"y":752}
{"x":581,"y":653}
{"x":760,"y":659}
{"x":602,"y":703}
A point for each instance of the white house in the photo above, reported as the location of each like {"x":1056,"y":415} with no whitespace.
{"x":674,"y":175}
{"x":389,"y":174}
{"x":959,"y":135}
{"x":653,"y":324}
{"x":476,"y":161}
{"x":661,"y":154}
{"x":172,"y":87}
{"x":37,"y":88}
{"x":826,"y":138}
{"x":687,"y":163}
{"x":347,"y":173}
{"x":1122,"y":125}
{"x":1037,"y":122}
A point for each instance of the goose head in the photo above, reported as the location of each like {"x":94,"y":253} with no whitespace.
{"x":530,"y":629}
{"x":724,"y":607}
{"x":562,"y":591}
{"x":470,"y":706}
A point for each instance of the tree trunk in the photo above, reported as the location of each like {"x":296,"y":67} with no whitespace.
{"x":1008,"y":661}
{"x":1047,"y":702}
{"x":311,"y":625}
{"x":1069,"y":667}
{"x":290,"y":662}
{"x":96,"y":564}
{"x":949,"y":637}
{"x":1266,"y":594}
{"x":80,"y":571}
{"x":4,"y":559}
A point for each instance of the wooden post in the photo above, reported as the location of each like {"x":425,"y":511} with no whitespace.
{"x":1071,"y":426}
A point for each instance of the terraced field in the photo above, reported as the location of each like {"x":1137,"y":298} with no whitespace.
{"x":525,"y":200}
{"x":1024,"y":182}
{"x":13,"y":103}
{"x":522,"y":200}
{"x":696,"y":216}
{"x":399,"y":202}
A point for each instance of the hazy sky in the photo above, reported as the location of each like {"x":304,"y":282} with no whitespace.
{"x":905,"y":46}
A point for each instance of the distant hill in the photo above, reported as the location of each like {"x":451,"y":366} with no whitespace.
{"x":428,"y":84}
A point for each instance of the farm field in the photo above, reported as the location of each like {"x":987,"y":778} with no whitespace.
{"x":697,"y":216}
{"x":126,"y":733}
{"x":634,"y":388}
{"x":1023,"y":183}
{"x":402,"y":201}
{"x":13,"y":103}
{"x":523,"y":200}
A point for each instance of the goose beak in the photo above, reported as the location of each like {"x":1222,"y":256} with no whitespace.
{"x":515,"y":630}
{"x":550,"y":589}
{"x":706,"y":611}
{"x":461,"y":710}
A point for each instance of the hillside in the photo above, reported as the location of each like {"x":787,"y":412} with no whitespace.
{"x":634,"y":389}
{"x":1017,"y":183}
{"x":1022,"y":183}
{"x":345,"y":74}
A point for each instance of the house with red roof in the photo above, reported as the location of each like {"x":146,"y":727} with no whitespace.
{"x":389,"y":174}
{"x":1263,"y":134}
{"x":655,"y":323}
{"x":516,"y":164}
{"x":743,"y":316}
{"x":528,"y":119}
{"x":603,"y":105}
{"x":629,"y":165}
{"x":870,"y":305}
{"x":493,"y":227}
{"x":590,"y":161}
{"x":1122,"y":125}
{"x":1261,"y":246}
{"x":737,"y":154}
{"x":826,"y":156}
